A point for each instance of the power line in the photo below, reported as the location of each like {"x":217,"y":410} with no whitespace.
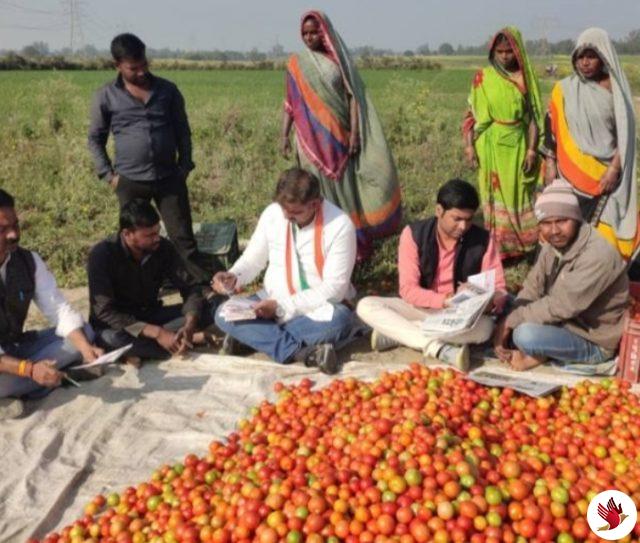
{"x":28,"y":9}
{"x":26,"y":27}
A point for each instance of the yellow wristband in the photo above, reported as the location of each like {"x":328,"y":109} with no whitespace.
{"x":22,"y":367}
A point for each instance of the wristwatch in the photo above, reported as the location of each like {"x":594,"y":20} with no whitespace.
{"x":279,"y":312}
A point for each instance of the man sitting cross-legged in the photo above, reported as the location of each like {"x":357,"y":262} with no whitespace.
{"x":126,"y":272}
{"x":30,"y":362}
{"x":572,"y":303}
{"x":435,"y":257}
{"x":308,"y":246}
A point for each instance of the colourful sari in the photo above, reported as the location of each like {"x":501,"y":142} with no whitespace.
{"x":588,"y":125}
{"x":365,"y":186}
{"x":501,"y":110}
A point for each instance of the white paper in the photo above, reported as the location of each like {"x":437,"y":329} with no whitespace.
{"x":107,"y":358}
{"x":238,"y":308}
{"x":485,"y":280}
{"x":494,"y":378}
{"x":464,"y":310}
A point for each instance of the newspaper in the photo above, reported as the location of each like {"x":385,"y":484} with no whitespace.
{"x":495,"y":378}
{"x":464,"y":309}
{"x":238,"y":308}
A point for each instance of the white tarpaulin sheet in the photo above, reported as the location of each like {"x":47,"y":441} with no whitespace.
{"x":114,"y":431}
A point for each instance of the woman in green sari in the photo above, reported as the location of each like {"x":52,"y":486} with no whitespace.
{"x":501,"y":134}
{"x":338,"y":136}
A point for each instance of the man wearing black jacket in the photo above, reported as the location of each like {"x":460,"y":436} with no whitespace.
{"x":126,"y":272}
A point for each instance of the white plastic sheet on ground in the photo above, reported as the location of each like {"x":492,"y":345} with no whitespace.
{"x":114,"y":431}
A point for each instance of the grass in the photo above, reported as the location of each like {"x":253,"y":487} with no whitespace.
{"x":235,"y":119}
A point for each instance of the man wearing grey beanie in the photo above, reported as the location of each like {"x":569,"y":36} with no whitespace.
{"x":571,"y":307}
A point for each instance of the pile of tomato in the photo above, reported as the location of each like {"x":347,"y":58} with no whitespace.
{"x":418,"y":455}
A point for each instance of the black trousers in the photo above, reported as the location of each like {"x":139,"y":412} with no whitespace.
{"x":169,"y":316}
{"x":171,"y":197}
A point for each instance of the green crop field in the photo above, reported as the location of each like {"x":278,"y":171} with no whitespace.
{"x":235,"y":119}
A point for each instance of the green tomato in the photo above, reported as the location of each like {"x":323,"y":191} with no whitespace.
{"x":493,"y":495}
{"x":413,"y":477}
{"x":494,"y":518}
{"x":294,"y":536}
{"x":560,"y":494}
{"x":153,"y":502}
{"x":467,"y":480}
{"x":210,"y":476}
{"x":388,"y":496}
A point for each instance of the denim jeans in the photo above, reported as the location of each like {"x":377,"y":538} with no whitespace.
{"x":282,"y":341}
{"x":556,"y":343}
{"x":38,"y":345}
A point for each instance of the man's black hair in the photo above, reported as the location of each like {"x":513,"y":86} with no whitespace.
{"x":458,"y":194}
{"x":297,"y":185}
{"x":6,"y":200}
{"x":138,"y":213}
{"x":127,"y":46}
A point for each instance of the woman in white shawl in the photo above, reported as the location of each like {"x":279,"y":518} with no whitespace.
{"x":590,"y":141}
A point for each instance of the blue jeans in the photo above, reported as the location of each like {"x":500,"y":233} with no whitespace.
{"x":40,"y":345}
{"x":554,"y":342}
{"x":282,"y":341}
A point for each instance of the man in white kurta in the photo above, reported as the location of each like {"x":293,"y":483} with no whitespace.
{"x":308,"y":246}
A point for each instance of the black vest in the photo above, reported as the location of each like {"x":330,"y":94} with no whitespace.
{"x":16,"y":294}
{"x":470,"y":251}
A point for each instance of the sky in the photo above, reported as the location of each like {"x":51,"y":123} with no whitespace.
{"x":244,"y":24}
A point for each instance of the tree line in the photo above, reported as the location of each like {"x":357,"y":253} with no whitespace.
{"x":629,"y":45}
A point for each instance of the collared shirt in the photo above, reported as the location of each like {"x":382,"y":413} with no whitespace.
{"x":48,"y":298}
{"x":152,"y":139}
{"x":267,"y":248}
{"x":122,"y":291}
{"x":409,"y":272}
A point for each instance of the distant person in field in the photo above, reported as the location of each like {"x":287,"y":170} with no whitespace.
{"x":308,"y":247}
{"x":125,"y":274}
{"x":502,"y":132}
{"x":30,"y":361}
{"x":338,"y":136}
{"x":435,"y":258}
{"x":572,"y":304}
{"x":146,"y":115}
{"x":591,"y":139}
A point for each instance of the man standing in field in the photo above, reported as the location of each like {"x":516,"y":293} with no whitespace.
{"x":146,"y":115}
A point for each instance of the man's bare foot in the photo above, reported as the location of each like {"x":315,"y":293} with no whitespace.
{"x":504,"y":355}
{"x":134,"y":361}
{"x":522,"y":362}
{"x":205,"y":338}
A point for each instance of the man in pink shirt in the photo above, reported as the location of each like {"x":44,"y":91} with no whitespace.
{"x":435,"y":257}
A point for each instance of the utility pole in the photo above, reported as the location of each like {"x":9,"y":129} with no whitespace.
{"x":544,"y":26}
{"x":76,"y":36}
